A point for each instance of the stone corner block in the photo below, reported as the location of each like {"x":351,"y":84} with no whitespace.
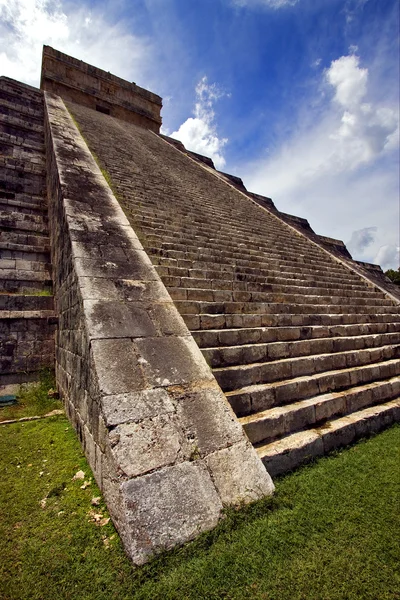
{"x":166,"y":508}
{"x":239,"y":474}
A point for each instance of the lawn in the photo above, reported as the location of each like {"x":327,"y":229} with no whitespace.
{"x":34,"y":399}
{"x":331,"y":531}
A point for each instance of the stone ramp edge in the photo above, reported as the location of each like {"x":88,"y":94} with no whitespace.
{"x":164,"y":445}
{"x":334,"y":248}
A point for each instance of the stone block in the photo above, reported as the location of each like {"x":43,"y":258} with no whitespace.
{"x":166,"y":508}
{"x":330,"y":405}
{"x":135,"y":406}
{"x":142,"y":447}
{"x":340,"y":432}
{"x":237,"y":474}
{"x":171,"y":361}
{"x":207,"y":420}
{"x":113,"y":319}
{"x":117,"y":367}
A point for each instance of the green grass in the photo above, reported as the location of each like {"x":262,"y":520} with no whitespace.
{"x":331,"y":532}
{"x":33,"y":399}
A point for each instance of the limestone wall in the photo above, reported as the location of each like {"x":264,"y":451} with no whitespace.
{"x":163,"y":443}
{"x":79,"y":82}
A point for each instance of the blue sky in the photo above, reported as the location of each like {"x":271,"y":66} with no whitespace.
{"x":298,"y":97}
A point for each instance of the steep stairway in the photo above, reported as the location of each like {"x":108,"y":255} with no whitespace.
{"x":306,"y":350}
{"x":27,"y":319}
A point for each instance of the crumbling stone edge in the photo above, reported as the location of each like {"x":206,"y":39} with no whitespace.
{"x":164,"y":445}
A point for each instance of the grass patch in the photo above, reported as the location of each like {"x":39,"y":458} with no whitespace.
{"x":33,"y":399}
{"x":330,"y":533}
{"x":47,"y":291}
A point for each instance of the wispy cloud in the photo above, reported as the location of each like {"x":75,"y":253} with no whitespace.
{"x":265,"y":3}
{"x":361,"y":239}
{"x":340,"y":172}
{"x":25,"y":25}
{"x":199,"y":133}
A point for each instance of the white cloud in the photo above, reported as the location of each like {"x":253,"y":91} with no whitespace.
{"x":25,"y":25}
{"x":199,"y":133}
{"x":361,"y":239}
{"x":388,"y":257}
{"x":266,"y":3}
{"x":349,"y":80}
{"x":341,"y":173}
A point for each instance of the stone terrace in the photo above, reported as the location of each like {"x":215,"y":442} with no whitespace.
{"x":27,"y":321}
{"x":305,"y":349}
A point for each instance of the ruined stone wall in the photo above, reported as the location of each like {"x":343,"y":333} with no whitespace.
{"x":84,"y":84}
{"x":164,"y":445}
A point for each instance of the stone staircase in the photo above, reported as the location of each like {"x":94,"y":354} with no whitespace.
{"x":27,"y":319}
{"x":305,"y":349}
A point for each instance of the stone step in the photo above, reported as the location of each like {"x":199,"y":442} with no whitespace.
{"x":286,"y":264}
{"x":20,"y":134}
{"x":27,"y":341}
{"x":290,"y":452}
{"x":23,"y":199}
{"x":12,"y":136}
{"x":20,"y":90}
{"x":10,"y":264}
{"x":206,"y":321}
{"x":24,"y":315}
{"x":210,"y":338}
{"x":15,"y":239}
{"x":176,"y":238}
{"x":12,"y":151}
{"x":225,"y":290}
{"x":265,"y":273}
{"x":21,"y":121}
{"x":24,"y":104}
{"x":24,"y":253}
{"x":189,"y":307}
{"x":11,"y":106}
{"x":254,"y":353}
{"x":26,"y":208}
{"x":237,"y":377}
{"x":259,"y":397}
{"x":25,"y":286}
{"x":250,"y":241}
{"x":264,"y":427}
{"x":309,"y":296}
{"x":24,"y":183}
{"x":152,"y":218}
{"x":21,"y":222}
{"x":22,"y":276}
{"x":27,"y":164}
{"x":229,"y":277}
{"x":23,"y":302}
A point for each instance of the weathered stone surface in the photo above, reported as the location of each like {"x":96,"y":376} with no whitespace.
{"x":117,"y":366}
{"x":171,"y":361}
{"x":221,"y":427}
{"x":167,"y":507}
{"x":136,"y":387}
{"x":234,"y":472}
{"x":113,"y":319}
{"x":135,"y":406}
{"x":102,"y":91}
{"x":150,"y":444}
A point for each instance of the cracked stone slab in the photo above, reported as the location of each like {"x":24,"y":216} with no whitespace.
{"x":237,"y":476}
{"x":135,"y":406}
{"x":142,"y":447}
{"x":168,"y":507}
